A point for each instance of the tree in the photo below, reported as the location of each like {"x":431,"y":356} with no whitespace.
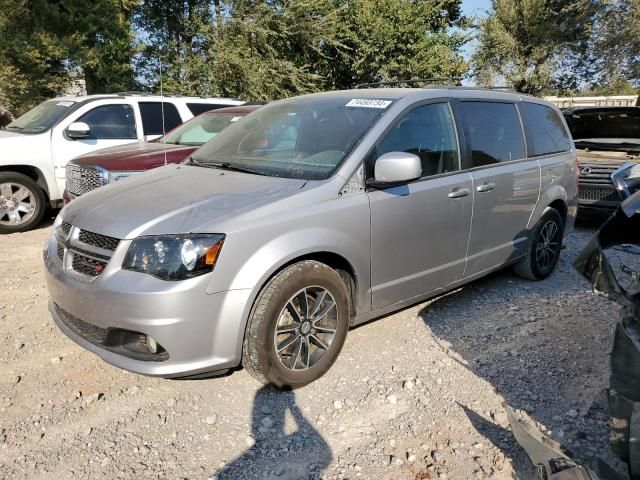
{"x":534,"y":45}
{"x":616,"y":47}
{"x":47,"y":44}
{"x":399,"y":39}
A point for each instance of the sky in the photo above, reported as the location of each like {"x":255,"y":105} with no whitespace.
{"x":475,"y":7}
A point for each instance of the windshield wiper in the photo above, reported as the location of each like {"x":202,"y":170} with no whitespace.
{"x":226,"y":166}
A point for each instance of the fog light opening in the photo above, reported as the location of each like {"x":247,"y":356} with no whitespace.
{"x":151,"y":344}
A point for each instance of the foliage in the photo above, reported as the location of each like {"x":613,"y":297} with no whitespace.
{"x":616,"y":47}
{"x":263,"y":50}
{"x":399,"y":39}
{"x":534,"y":45}
{"x":48,"y":44}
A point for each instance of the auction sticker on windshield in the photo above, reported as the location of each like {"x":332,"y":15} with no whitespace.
{"x":369,"y":103}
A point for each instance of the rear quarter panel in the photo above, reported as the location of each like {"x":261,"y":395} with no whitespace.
{"x":559,"y":181}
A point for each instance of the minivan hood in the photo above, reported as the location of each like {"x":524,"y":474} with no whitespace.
{"x":172,"y":199}
{"x":136,"y":156}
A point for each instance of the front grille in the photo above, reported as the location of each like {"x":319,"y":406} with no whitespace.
{"x":87,"y":266}
{"x":85,"y":330}
{"x":598,"y":194}
{"x":83,"y":178}
{"x":97,"y":240}
{"x":88,"y":253}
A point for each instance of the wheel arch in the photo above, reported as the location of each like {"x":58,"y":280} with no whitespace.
{"x":554,"y":197}
{"x":34,"y":173}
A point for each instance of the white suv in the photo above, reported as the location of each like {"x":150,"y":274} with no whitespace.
{"x":36,"y":147}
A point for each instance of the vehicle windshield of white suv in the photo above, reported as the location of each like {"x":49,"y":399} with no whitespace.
{"x":199,"y":130}
{"x":305,"y":138}
{"x":41,"y":118}
{"x":607,"y":128}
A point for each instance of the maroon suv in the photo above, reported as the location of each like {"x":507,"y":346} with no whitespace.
{"x":88,"y":172}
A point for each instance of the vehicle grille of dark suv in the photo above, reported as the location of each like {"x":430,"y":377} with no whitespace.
{"x":83,"y":178}
{"x":594,"y":184}
{"x":83,"y":252}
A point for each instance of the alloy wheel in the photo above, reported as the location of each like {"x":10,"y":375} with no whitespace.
{"x":305,"y":328}
{"x":548,"y":246}
{"x":17,"y":204}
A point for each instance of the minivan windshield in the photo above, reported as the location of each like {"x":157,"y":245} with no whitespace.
{"x":42,"y":117}
{"x":305,"y":137}
{"x":200,"y":130}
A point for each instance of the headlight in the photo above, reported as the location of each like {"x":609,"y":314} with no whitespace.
{"x":115,"y":176}
{"x":174,"y":257}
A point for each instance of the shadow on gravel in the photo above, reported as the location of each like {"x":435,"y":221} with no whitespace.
{"x":543,"y":346}
{"x":498,"y":436}
{"x":301,"y":453}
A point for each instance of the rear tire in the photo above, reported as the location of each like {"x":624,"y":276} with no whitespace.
{"x":544,"y":248}
{"x":309,"y":305}
{"x":22,"y":203}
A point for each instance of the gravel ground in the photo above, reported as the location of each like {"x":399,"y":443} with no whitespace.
{"x":414,"y":395}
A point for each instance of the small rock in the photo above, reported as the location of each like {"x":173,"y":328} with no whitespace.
{"x":411,"y":458}
{"x":211,"y":419}
{"x":337,"y":404}
{"x":88,"y":431}
{"x":250,"y":441}
{"x":392,"y":399}
{"x":171,"y":403}
{"x":267,"y":422}
{"x":280,"y":470}
{"x":56,"y":360}
{"x":573,"y":413}
{"x":133,"y":390}
{"x":437,"y":456}
{"x":408,"y":385}
{"x":92,"y":398}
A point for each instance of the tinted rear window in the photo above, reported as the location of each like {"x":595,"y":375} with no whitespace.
{"x":547,"y":133}
{"x":493,"y":132}
{"x":198,"y":108}
{"x":151,"y":113}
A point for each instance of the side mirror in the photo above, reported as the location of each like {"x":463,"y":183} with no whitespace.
{"x":397,"y":167}
{"x":78,"y":130}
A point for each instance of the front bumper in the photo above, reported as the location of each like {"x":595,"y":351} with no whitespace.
{"x":200,"y":332}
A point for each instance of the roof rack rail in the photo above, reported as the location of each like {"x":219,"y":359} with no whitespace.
{"x":149,"y":94}
{"x":430,"y":81}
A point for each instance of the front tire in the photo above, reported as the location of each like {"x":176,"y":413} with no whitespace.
{"x":544,"y":248}
{"x":297,"y":326}
{"x":22,"y":203}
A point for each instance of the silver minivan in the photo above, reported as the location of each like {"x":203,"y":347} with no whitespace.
{"x":306,"y":217}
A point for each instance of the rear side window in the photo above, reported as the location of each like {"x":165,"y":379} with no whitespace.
{"x":151,"y":113}
{"x":547,"y":133}
{"x":429,"y":133}
{"x":493,"y":131}
{"x":110,"y":122}
{"x":198,"y":108}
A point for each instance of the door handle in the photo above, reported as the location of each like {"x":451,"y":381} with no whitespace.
{"x":485,"y":187}
{"x":459,"y":192}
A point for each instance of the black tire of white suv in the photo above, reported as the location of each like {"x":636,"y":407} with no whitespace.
{"x":22,"y":203}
